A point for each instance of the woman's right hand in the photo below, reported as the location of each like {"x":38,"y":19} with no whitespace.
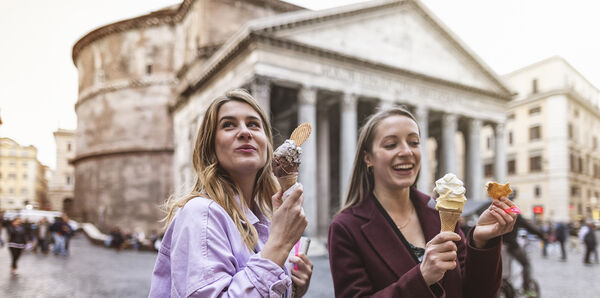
{"x":287,"y":225}
{"x":440,"y":256}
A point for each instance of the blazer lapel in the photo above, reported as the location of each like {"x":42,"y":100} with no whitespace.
{"x":428,"y":217}
{"x":382,"y":237}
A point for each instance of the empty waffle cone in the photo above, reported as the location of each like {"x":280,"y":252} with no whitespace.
{"x":287,"y":181}
{"x":449,"y":219}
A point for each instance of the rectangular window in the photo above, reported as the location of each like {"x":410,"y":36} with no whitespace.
{"x":535,"y":132}
{"x":534,"y":86}
{"x":535,"y":163}
{"x":511,"y":116}
{"x":68,"y":147}
{"x":488,"y":170}
{"x":575,"y":191}
{"x":537,"y":191}
{"x":535,"y":110}
{"x":68,"y":180}
{"x":580,"y":165}
{"x":12,"y":176}
{"x":511,"y":167}
{"x":570,"y":131}
{"x":510,"y":138}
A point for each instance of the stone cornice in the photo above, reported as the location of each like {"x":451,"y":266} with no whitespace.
{"x":166,"y":16}
{"x":570,"y":92}
{"x":123,"y":84}
{"x":125,"y":151}
{"x":229,"y":54}
{"x":202,"y":53}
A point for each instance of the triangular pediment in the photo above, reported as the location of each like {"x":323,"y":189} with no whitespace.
{"x":404,"y":36}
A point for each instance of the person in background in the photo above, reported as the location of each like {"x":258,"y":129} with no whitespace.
{"x":386,"y":240}
{"x":561,"y":234}
{"x":231,"y":236}
{"x":588,"y":237}
{"x":43,"y":235}
{"x":17,"y":239}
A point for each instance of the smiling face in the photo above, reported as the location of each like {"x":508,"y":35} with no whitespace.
{"x":395,"y":154}
{"x":240,"y":140}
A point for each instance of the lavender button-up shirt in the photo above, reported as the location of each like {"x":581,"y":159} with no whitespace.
{"x":203,"y":255}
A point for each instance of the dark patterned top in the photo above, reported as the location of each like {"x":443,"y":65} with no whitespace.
{"x":418,"y":251}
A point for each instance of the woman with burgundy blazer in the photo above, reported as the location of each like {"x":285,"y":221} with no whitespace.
{"x":386,"y":241}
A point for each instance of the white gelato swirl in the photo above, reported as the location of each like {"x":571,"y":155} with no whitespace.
{"x":289,"y":151}
{"x":451,"y":192}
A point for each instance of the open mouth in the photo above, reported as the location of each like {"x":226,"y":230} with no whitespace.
{"x":403,"y":167}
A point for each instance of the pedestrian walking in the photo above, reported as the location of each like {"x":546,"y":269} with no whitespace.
{"x":590,"y":242}
{"x":561,"y":235}
{"x":43,"y":235}
{"x":17,"y":239}
{"x":548,"y":237}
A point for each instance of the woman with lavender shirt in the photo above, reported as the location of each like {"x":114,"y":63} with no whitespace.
{"x":220,"y":241}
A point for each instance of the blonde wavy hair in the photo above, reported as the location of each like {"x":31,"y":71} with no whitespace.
{"x":215,"y":183}
{"x":362,"y":182}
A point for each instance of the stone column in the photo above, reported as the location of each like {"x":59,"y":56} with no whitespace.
{"x":323,"y":166}
{"x":474,"y":166}
{"x":424,"y":183}
{"x":449,"y":123}
{"x":261,"y":91}
{"x":307,"y":112}
{"x":348,"y":130}
{"x":500,"y":154}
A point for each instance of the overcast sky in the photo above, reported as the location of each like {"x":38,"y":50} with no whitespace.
{"x":38,"y":82}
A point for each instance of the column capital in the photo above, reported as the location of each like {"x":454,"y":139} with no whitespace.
{"x":449,"y":117}
{"x":498,"y":127}
{"x":475,"y":124}
{"x":349,"y":98}
{"x":421,"y":112}
{"x":307,"y":95}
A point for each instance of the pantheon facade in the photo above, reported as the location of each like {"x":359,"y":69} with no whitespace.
{"x":145,"y":83}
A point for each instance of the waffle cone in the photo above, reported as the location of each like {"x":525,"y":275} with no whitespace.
{"x":301,"y":133}
{"x":449,"y":219}
{"x":287,"y":181}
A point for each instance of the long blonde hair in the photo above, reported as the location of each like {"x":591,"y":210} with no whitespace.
{"x":362,"y":183}
{"x":215,"y":183}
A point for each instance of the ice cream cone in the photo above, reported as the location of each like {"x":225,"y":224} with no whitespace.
{"x":287,"y":181}
{"x":449,"y":217}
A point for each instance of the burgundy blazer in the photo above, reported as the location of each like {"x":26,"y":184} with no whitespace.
{"x":369,"y":259}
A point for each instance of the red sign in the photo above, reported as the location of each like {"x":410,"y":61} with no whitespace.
{"x":538,"y":209}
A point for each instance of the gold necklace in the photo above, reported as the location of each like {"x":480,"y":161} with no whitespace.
{"x":408,"y":221}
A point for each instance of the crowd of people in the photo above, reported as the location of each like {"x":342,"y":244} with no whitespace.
{"x":23,"y":235}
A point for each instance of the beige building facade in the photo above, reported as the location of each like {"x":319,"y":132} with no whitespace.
{"x":145,"y":83}
{"x":62,"y":183}
{"x":553,"y":130}
{"x":22,"y":177}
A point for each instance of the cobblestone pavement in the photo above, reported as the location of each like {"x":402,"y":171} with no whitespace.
{"x":92,"y":271}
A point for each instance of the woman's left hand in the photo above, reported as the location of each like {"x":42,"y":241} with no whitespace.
{"x":301,"y":277}
{"x":494,"y":221}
